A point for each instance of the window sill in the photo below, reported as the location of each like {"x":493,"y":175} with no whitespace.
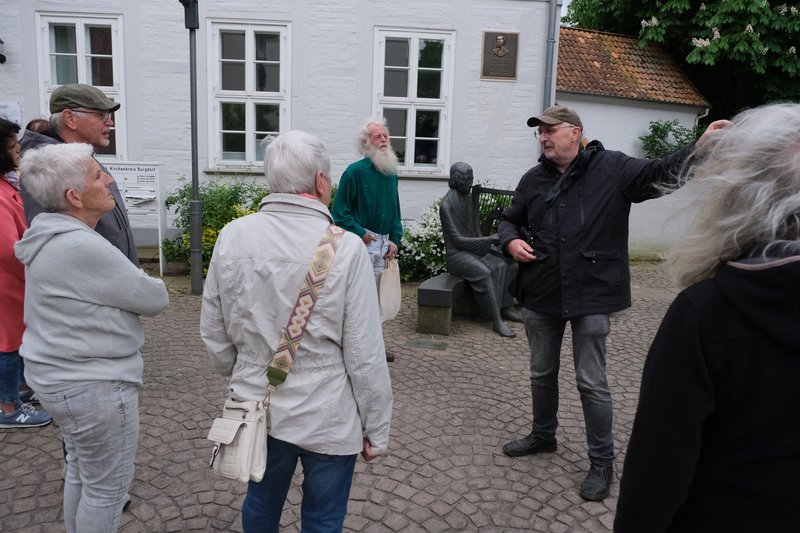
{"x":244,"y":170}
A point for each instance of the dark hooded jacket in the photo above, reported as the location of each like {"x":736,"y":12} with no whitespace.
{"x":582,"y":240}
{"x":114,"y":225}
{"x":715,"y":445}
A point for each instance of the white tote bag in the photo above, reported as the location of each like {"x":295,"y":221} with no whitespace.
{"x":390,"y":291}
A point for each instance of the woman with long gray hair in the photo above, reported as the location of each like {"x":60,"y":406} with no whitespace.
{"x":716,"y":440}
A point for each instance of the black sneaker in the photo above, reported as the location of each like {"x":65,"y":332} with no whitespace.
{"x":528,"y":445}
{"x":597,"y":483}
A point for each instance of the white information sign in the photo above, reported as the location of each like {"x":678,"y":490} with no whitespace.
{"x":142,"y":191}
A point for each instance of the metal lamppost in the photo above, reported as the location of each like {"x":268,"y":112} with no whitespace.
{"x":192,"y":22}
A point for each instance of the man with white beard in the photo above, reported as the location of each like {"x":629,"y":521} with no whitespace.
{"x":367,"y":202}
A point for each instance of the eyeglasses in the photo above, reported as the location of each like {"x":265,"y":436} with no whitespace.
{"x":550,"y":131}
{"x":104,"y":115}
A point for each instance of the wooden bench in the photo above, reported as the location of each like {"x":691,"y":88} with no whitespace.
{"x":441,"y":297}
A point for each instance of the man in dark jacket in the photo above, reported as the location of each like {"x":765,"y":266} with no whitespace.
{"x":567,"y":226}
{"x":83,"y":114}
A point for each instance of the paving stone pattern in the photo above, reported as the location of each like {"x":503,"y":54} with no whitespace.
{"x":457,"y":400}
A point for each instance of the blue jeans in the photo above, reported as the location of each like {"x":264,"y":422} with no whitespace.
{"x":545,"y":334}
{"x":100,"y":425}
{"x":11,"y":376}
{"x":326,"y":489}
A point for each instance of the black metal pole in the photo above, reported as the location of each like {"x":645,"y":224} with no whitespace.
{"x":192,"y":22}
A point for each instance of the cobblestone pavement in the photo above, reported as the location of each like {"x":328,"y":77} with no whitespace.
{"x":457,"y":400}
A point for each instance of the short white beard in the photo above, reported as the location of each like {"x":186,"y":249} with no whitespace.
{"x":385,"y":162}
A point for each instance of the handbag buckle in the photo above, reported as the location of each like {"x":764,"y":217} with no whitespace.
{"x":214,"y":454}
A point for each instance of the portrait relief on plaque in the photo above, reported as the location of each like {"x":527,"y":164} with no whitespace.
{"x":499,"y":60}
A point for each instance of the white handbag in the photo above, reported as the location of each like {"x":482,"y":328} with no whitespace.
{"x":240,"y":441}
{"x":240,"y":435}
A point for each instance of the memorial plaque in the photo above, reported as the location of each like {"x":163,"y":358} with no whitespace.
{"x":499,"y":59}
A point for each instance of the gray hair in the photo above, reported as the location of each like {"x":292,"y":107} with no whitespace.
{"x":51,"y":170}
{"x":362,"y":137}
{"x":57,"y":121}
{"x":747,"y":194}
{"x":292,"y":161}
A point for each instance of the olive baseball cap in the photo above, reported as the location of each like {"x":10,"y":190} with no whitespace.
{"x":556,"y":115}
{"x":78,"y":95}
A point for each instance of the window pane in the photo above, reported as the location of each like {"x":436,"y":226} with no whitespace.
{"x":268,"y":47}
{"x":399,"y":147}
{"x":396,"y":119}
{"x":232,"y":44}
{"x":268,"y":77}
{"x":102,"y":71}
{"x":430,"y":53}
{"x":232,"y":76}
{"x":396,"y":53}
{"x":233,"y":146}
{"x":99,"y":40}
{"x":268,"y":118}
{"x":64,"y":69}
{"x":426,"y":152}
{"x":260,"y":146}
{"x":395,"y":83}
{"x":429,"y":84}
{"x":63,"y":39}
{"x":233,"y":117}
{"x":427,"y":124}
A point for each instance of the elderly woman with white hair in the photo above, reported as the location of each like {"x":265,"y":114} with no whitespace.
{"x":82,"y":344}
{"x":337,"y":399}
{"x":716,"y":439}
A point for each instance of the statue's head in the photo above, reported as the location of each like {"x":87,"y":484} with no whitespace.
{"x":461,"y":177}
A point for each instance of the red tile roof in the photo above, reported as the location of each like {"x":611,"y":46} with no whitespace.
{"x":594,"y":62}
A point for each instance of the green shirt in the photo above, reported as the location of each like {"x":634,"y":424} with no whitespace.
{"x":368,"y":200}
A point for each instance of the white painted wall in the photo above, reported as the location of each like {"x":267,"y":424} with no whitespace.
{"x":332,"y":66}
{"x":331,"y":69}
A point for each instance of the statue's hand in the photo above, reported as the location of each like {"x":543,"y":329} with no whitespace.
{"x":521,"y":251}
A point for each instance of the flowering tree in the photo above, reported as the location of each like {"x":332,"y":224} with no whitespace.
{"x":739,"y":53}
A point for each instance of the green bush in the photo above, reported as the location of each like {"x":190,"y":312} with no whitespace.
{"x":221,"y":203}
{"x":666,"y":137}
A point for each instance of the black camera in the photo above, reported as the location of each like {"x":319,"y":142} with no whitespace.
{"x":526,"y":234}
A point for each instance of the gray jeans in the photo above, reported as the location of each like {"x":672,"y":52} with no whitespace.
{"x":545,"y":334}
{"x":100,"y":425}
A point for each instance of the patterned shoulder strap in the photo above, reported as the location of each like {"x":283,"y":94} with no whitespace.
{"x":298,"y":319}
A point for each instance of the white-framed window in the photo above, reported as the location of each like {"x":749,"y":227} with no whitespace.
{"x":249,"y":91}
{"x":413,"y":84}
{"x":84,"y":49}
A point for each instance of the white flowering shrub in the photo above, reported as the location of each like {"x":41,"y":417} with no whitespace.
{"x":422,"y":253}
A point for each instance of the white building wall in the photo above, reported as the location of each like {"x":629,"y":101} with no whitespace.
{"x":332,"y":47}
{"x":618,"y":123}
{"x":332,"y":68}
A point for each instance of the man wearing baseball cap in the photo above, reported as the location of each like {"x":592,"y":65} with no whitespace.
{"x":84,"y":114}
{"x":567,"y":226}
